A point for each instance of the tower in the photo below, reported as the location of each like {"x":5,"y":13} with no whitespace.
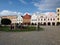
{"x":58,"y":16}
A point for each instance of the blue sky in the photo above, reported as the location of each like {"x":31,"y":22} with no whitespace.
{"x":30,"y":6}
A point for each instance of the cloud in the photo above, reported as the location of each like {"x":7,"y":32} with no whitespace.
{"x":47,"y":13}
{"x":47,"y":4}
{"x":22,"y":1}
{"x":7,"y":12}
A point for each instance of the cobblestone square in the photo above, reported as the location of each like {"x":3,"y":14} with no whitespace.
{"x":49,"y":36}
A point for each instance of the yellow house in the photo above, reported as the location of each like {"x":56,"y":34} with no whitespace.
{"x":13,"y":18}
{"x":58,"y":16}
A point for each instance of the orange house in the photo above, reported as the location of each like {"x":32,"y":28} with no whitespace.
{"x":26,"y":19}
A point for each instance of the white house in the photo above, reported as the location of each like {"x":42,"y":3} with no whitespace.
{"x":42,"y":19}
{"x":34,"y":19}
{"x":51,"y":19}
{"x":19,"y":19}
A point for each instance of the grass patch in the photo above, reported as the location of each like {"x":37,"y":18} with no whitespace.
{"x":7,"y":29}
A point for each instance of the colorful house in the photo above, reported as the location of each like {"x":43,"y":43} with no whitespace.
{"x":51,"y":18}
{"x":58,"y":16}
{"x":43,"y":19}
{"x":26,"y":19}
{"x":13,"y":18}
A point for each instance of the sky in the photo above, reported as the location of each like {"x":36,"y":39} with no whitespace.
{"x":14,"y":7}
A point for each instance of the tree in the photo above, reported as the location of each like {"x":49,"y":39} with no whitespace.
{"x":6,"y":21}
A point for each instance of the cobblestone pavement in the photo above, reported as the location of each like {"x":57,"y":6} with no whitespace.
{"x":50,"y":36}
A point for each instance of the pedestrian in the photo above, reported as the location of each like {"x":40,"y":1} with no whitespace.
{"x":38,"y":27}
{"x":12,"y":27}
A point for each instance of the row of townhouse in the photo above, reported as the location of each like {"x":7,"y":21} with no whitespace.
{"x":50,"y":19}
{"x":13,"y":18}
{"x":43,"y":19}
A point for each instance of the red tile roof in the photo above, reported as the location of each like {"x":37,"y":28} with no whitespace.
{"x":27,"y":16}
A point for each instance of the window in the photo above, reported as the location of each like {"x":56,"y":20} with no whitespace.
{"x":34,"y":19}
{"x":48,"y":19}
{"x":57,"y":18}
{"x":44,"y":19}
{"x":51,"y":19}
{"x":41,"y":19}
{"x":21,"y":20}
{"x":58,"y":10}
{"x":58,"y":14}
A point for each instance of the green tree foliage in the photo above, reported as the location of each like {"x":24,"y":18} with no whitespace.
{"x":6,"y":21}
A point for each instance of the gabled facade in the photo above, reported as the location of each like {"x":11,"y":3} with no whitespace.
{"x":51,"y":19}
{"x":19,"y":19}
{"x":34,"y":19}
{"x":42,"y":19}
{"x":26,"y":19}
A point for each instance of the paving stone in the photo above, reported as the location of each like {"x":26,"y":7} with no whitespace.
{"x":50,"y":36}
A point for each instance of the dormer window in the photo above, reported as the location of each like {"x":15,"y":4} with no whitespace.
{"x":57,"y":18}
{"x":58,"y":14}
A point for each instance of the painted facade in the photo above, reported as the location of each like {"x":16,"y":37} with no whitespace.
{"x":51,"y":19}
{"x":58,"y":16}
{"x":19,"y":19}
{"x":26,"y":19}
{"x":12,"y":18}
{"x":34,"y":19}
{"x":43,"y":19}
